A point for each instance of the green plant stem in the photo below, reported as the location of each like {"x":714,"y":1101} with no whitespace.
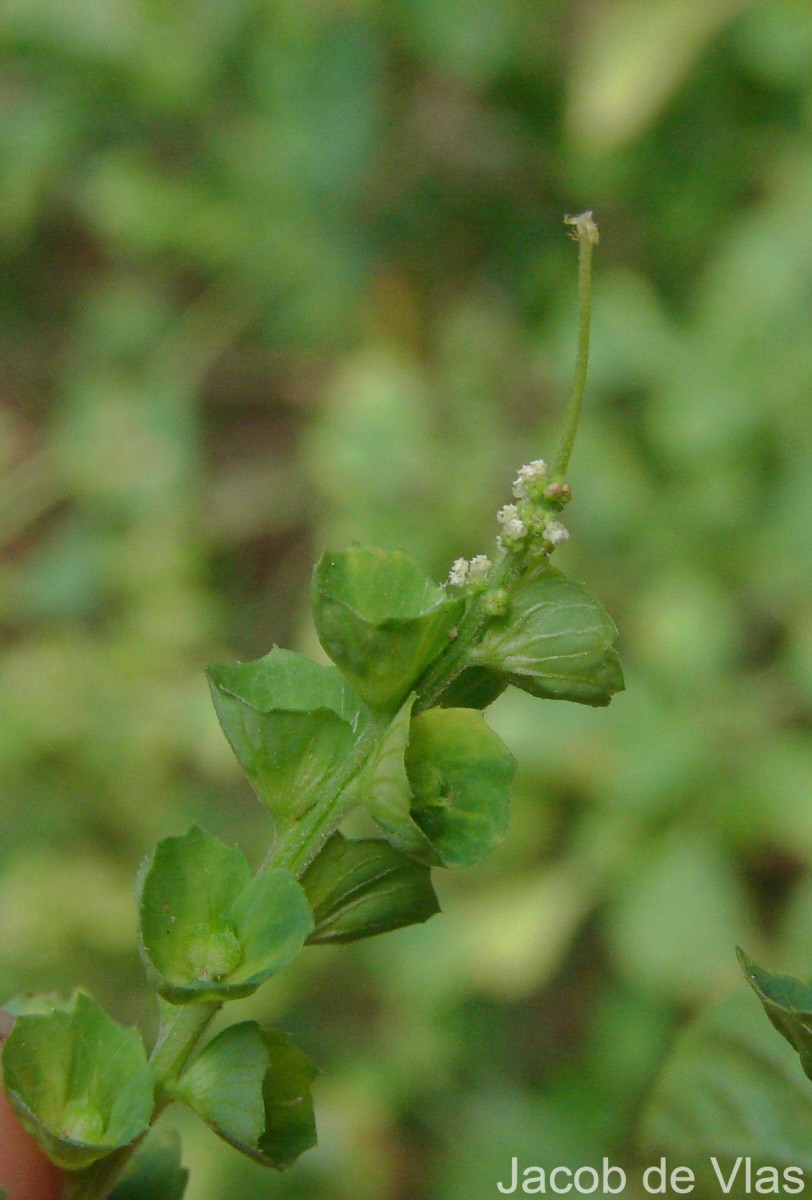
{"x":453,"y":661}
{"x":182,"y":1026}
{"x":586,"y":234}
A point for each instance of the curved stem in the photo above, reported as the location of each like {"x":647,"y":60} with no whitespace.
{"x":585,"y":232}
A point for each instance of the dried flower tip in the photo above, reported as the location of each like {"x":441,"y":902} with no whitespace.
{"x":480,"y":565}
{"x":584,"y":228}
{"x":556,"y":533}
{"x":459,"y":572}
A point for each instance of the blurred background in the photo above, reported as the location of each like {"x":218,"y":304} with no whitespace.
{"x":281,"y":275}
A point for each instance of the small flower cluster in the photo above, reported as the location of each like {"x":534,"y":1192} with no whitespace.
{"x":514,"y":529}
{"x":473,"y":573}
{"x":530,"y":524}
{"x":526,"y":484}
{"x":532,"y":521}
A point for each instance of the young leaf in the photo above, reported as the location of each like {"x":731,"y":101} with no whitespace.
{"x":155,"y":1172}
{"x":381,"y":620}
{"x":208,"y":929}
{"x":733,"y":1090}
{"x":439,"y":787}
{"x":78,"y":1081}
{"x":252,"y":1086}
{"x":787,"y":1001}
{"x":291,"y":723}
{"x":360,"y":888}
{"x":555,"y":641}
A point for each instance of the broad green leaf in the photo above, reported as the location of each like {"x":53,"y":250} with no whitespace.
{"x":291,"y":723}
{"x":555,"y":642}
{"x":208,"y":929}
{"x":787,"y":1002}
{"x":381,"y":620}
{"x":78,"y":1081}
{"x":252,"y":1086}
{"x":360,"y":888}
{"x":460,"y":774}
{"x":155,"y":1172}
{"x":284,"y":681}
{"x":439,"y":787}
{"x":730,"y":1089}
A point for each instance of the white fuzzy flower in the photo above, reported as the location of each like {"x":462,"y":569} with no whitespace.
{"x":459,"y":572}
{"x":507,"y":513}
{"x":480,"y":565}
{"x":515,"y":529}
{"x":533,"y":471}
{"x":529,"y":474}
{"x":556,"y":533}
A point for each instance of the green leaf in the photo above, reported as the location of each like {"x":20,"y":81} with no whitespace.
{"x":381,"y":620}
{"x":291,"y":723}
{"x":360,"y":888}
{"x":78,"y":1081}
{"x":209,"y":931}
{"x":460,"y":773}
{"x":385,"y":790}
{"x":555,"y":641}
{"x":787,"y":1002}
{"x":439,"y":786}
{"x":252,"y":1086}
{"x":475,"y":687}
{"x":155,"y":1172}
{"x":730,"y":1089}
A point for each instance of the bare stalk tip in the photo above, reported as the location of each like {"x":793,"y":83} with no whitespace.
{"x":584,"y":228}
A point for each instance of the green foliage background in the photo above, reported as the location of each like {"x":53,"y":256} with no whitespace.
{"x":281,"y":275}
